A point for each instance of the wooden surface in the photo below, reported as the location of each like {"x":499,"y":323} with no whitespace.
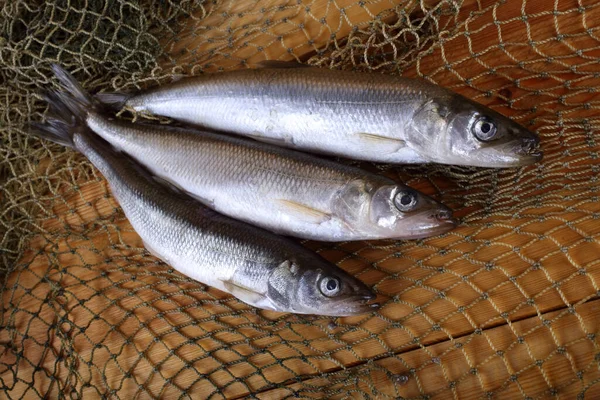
{"x":463,"y":314}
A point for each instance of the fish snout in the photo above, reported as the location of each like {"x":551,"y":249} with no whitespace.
{"x":368,"y":296}
{"x":362,"y":293}
{"x":360,"y":303}
{"x":530,"y":146}
{"x":444,"y":215}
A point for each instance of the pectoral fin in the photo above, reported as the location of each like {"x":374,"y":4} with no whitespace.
{"x":303,"y":211}
{"x":381,"y":143}
{"x":245,"y":294}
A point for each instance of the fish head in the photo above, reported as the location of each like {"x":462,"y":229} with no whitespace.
{"x":393,"y":211}
{"x":406,"y":213}
{"x":454,"y":130}
{"x":314,"y":286}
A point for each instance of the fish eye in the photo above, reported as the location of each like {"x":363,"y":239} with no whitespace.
{"x":405,"y":200}
{"x":484,"y":129}
{"x":330,"y":286}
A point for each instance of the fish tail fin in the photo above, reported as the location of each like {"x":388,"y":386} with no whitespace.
{"x":53,"y":130}
{"x":68,"y":111}
{"x":113,"y":100}
{"x":77,"y":98}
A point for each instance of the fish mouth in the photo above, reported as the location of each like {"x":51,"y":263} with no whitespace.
{"x":359,"y":304}
{"x":530,"y":154}
{"x":513,"y":155}
{"x":434,"y":224}
{"x":531,"y":158}
{"x":444,"y":215}
{"x":521,"y":158}
{"x":529,"y":150}
{"x":446,"y":226}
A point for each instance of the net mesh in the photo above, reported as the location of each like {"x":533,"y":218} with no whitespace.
{"x":504,"y":306}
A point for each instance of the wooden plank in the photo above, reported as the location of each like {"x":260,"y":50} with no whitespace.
{"x":248,"y":344}
{"x":559,"y":358}
{"x":209,"y":331}
{"x":524,"y":74}
{"x":236,"y":31}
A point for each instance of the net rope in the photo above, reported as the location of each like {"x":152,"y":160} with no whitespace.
{"x":504,"y":306}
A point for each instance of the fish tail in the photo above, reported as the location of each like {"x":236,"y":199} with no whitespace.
{"x":76,"y":98}
{"x":113,"y":100}
{"x":68,"y":110}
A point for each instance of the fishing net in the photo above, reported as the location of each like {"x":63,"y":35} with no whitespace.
{"x":504,"y":306}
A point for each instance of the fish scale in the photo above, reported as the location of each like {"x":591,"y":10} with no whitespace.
{"x":213,"y":249}
{"x":282,"y":190}
{"x":215,"y":96}
{"x":256,"y":266}
{"x":365,"y":116}
{"x":285,"y":191}
{"x":161,"y":216}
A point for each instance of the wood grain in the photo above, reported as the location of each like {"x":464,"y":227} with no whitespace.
{"x":250,"y":31}
{"x":165,"y":305}
{"x":499,"y":273}
{"x":470,"y":366}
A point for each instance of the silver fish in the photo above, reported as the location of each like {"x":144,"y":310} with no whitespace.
{"x":256,"y":266}
{"x":364,"y":116}
{"x":282,"y":190}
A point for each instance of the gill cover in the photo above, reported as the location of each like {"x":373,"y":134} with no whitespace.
{"x":454,"y":130}
{"x":311,"y":286}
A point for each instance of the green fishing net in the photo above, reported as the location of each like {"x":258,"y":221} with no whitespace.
{"x":505,"y":306}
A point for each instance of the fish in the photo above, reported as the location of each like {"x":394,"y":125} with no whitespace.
{"x":364,"y":116}
{"x":279,"y":189}
{"x":260,"y":268}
